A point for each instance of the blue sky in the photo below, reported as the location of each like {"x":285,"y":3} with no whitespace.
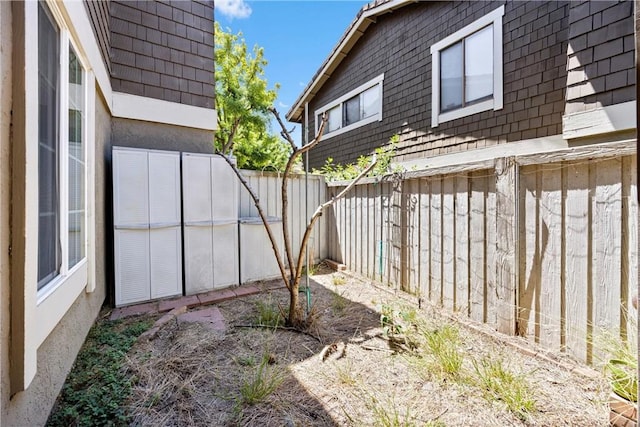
{"x":296,"y":36}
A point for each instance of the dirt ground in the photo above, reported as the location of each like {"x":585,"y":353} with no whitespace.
{"x":347,"y":371}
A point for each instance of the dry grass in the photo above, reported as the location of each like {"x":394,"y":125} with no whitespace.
{"x":351,"y":374}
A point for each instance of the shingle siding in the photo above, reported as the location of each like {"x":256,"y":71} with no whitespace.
{"x":99,"y":16}
{"x":163,"y":50}
{"x":601,"y":54}
{"x":535,"y":38}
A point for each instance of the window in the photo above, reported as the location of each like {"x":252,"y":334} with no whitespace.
{"x":61,"y":152}
{"x":467,"y":70}
{"x":48,"y":148}
{"x":359,"y":107}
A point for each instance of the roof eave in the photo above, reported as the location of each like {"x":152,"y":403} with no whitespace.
{"x":366,"y":17}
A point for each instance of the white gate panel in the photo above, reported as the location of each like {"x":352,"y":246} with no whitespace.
{"x":166,"y":261}
{"x":133,"y":282}
{"x":225,"y":255}
{"x":198,"y":259}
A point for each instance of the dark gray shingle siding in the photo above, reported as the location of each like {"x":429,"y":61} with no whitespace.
{"x":99,"y":16}
{"x":164,"y":50}
{"x":601,"y":59}
{"x":535,"y":38}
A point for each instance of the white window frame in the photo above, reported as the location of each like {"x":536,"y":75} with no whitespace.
{"x":377,"y":117}
{"x":55,"y":298}
{"x":496,"y":101}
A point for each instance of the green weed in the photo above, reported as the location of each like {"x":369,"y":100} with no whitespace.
{"x":260,"y":383}
{"x":387,"y":413}
{"x":338,"y":280}
{"x":246,"y":360}
{"x":443,"y":345}
{"x":345,"y":374}
{"x":338,"y":302}
{"x":499,"y":383}
{"x":97,"y":386}
{"x":269,"y":314}
{"x":620,"y":365}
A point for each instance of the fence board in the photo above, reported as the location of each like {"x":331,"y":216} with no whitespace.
{"x":477,"y":240}
{"x":386,"y":233}
{"x":377,"y":219}
{"x":607,"y":244}
{"x":448,"y":243}
{"x":462,"y":243}
{"x":396,"y":225}
{"x":359,"y":230}
{"x":414,"y":236}
{"x":342,"y":235}
{"x":436,"y":241}
{"x":371,"y":226}
{"x":630,"y":246}
{"x":490,"y":227}
{"x":551,"y":257}
{"x":577,"y":240}
{"x":425,"y":238}
{"x":506,"y":170}
{"x":530,"y":258}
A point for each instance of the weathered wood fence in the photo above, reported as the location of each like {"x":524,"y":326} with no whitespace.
{"x":311,"y":193}
{"x":543,"y":246}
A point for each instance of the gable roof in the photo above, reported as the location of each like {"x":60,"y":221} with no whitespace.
{"x":365,"y":17}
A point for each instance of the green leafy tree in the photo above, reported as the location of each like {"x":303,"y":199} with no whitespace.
{"x":243,"y":100}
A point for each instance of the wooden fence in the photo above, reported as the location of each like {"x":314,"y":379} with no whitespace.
{"x":544,"y":246}
{"x":311,"y":193}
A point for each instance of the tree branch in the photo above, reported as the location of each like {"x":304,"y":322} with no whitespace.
{"x":285,"y":134}
{"x":318,"y":213}
{"x":287,"y":171}
{"x":229,"y":144}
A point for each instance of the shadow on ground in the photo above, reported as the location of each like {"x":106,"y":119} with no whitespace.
{"x":192,"y":375}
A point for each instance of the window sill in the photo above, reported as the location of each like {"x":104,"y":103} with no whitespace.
{"x":374,"y":118}
{"x":55,"y":299}
{"x":464,"y":112}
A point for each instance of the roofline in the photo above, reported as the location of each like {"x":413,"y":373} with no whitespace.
{"x":365,"y":17}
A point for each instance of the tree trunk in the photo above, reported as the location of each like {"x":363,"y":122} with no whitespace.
{"x":295,"y":313}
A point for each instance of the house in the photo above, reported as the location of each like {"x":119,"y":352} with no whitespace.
{"x":135,"y":74}
{"x":518,"y":206}
{"x":474,"y":77}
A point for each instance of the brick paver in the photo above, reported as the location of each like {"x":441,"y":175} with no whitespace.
{"x":191,"y":301}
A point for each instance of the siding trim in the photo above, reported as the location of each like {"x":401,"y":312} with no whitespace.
{"x":137,"y":107}
{"x":612,"y":118}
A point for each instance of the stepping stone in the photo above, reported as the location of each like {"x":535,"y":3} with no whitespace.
{"x":210,"y":318}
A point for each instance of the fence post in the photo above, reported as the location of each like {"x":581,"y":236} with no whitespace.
{"x":506,"y":171}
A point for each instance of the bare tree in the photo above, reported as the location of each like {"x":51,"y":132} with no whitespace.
{"x":292,"y":276}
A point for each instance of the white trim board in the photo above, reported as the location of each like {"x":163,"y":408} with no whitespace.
{"x":136,"y":107}
{"x":612,"y":118}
